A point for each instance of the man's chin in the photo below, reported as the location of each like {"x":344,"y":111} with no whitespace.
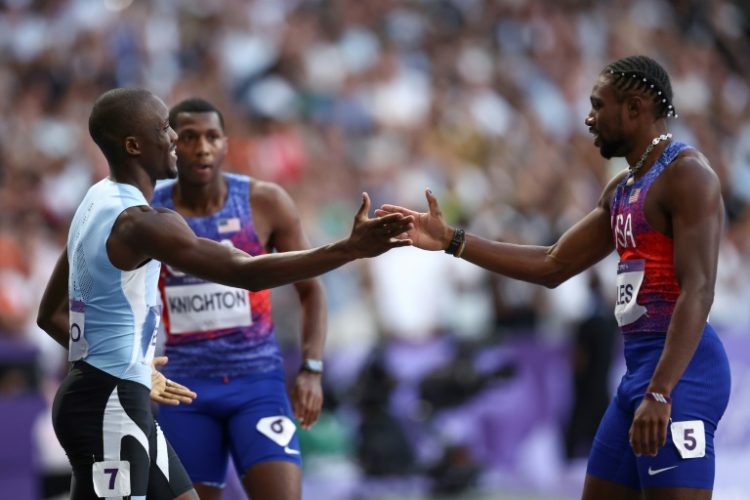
{"x":606,"y":152}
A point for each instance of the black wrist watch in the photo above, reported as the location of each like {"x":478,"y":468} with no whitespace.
{"x":312,"y":365}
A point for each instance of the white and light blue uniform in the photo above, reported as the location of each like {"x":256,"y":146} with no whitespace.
{"x":102,"y":410}
{"x":114,"y":314}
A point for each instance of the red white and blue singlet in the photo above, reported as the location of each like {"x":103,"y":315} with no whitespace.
{"x":215,"y":330}
{"x":647,"y":288}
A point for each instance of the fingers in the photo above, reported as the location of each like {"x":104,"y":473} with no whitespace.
{"x":398,"y":242}
{"x":307,"y":400}
{"x":180,"y":392}
{"x":393,"y":209}
{"x":364,"y":208}
{"x":308,"y":409}
{"x":433,"y":204}
{"x":661,"y":436}
{"x":169,"y":392}
{"x":160,"y":361}
{"x":395,"y":223}
{"x":163,"y":400}
{"x":647,"y":437}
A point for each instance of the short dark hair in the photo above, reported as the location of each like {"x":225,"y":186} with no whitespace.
{"x":643,"y":74}
{"x":115,"y":115}
{"x":193,"y":105}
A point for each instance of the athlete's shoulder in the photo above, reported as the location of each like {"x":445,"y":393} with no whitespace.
{"x":139,"y":218}
{"x":692,"y":169}
{"x":267,"y":190}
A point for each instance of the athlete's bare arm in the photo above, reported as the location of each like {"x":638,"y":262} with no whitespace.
{"x":53,"y":310}
{"x":141,"y":233}
{"x":278,"y":224}
{"x":690,"y":194}
{"x":581,"y":246}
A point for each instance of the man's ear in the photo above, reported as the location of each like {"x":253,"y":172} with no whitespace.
{"x":131,"y":146}
{"x":635,"y":105}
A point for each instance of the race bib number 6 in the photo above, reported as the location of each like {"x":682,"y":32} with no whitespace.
{"x":629,"y":280}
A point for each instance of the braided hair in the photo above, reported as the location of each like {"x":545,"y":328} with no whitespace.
{"x":643,"y":74}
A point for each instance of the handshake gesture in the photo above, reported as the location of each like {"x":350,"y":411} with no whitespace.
{"x":428,"y":231}
{"x":372,"y":237}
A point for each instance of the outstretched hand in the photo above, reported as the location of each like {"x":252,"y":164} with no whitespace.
{"x":371,"y":237}
{"x":429,"y":231}
{"x":165,"y":391}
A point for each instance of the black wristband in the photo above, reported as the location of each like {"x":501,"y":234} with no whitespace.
{"x":458,"y":238}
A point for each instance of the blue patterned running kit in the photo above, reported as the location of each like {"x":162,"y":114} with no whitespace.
{"x":221,"y":344}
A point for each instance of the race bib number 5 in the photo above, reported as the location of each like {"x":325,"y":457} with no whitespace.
{"x":690,"y":438}
{"x":111,"y":478}
{"x":629,"y":280}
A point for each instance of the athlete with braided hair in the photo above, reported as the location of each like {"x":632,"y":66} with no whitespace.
{"x":663,"y":216}
{"x":641,"y":74}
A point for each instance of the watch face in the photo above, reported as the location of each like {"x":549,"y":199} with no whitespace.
{"x":313,"y":365}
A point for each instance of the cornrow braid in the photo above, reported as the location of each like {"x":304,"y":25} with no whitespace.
{"x":643,"y":74}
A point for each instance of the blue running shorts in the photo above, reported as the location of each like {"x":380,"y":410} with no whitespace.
{"x":698,"y":403}
{"x":248,"y":416}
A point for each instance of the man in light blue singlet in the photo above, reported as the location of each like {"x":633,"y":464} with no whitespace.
{"x":102,"y":301}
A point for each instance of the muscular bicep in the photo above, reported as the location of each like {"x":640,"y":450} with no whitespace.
{"x":694,"y":203}
{"x":164,"y":235}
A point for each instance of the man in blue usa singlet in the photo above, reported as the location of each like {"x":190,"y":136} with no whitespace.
{"x":220,"y":340}
{"x":102,"y":301}
{"x":664,"y":217}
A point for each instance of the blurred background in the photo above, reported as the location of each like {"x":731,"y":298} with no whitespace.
{"x":442,"y":380}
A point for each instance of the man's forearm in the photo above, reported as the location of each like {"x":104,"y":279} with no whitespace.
{"x":272,"y":270}
{"x":314,"y":319}
{"x":684,"y":335}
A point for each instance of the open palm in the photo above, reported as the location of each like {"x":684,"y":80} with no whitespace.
{"x":429,"y":232}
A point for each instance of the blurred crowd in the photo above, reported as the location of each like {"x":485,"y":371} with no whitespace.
{"x":481,"y":100}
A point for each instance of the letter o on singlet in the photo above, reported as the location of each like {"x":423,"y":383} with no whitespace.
{"x":75,"y":332}
{"x":228,"y":300}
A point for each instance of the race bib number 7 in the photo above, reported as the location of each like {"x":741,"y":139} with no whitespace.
{"x":111,"y":478}
{"x":629,"y":280}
